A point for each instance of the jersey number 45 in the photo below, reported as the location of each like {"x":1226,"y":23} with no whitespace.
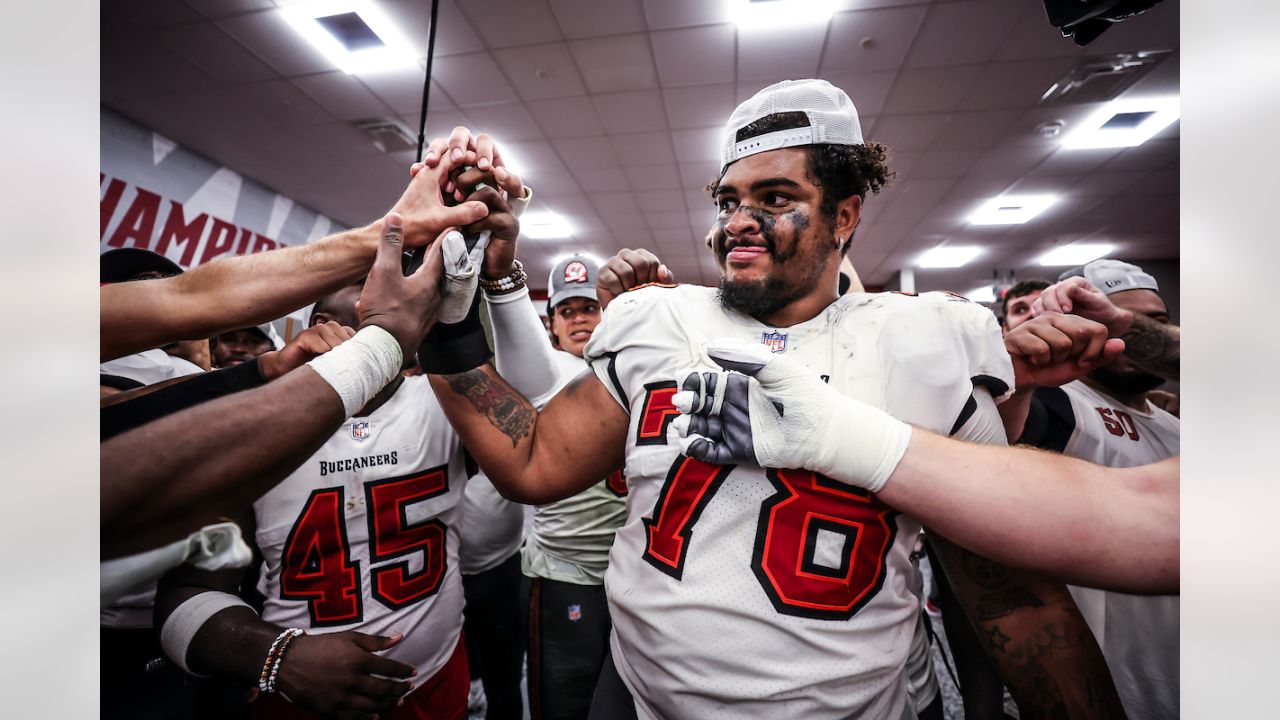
{"x":317,"y":567}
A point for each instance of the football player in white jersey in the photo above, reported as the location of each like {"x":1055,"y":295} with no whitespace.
{"x":746,"y":591}
{"x":1106,"y":419}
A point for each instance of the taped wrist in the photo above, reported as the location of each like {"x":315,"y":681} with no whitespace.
{"x":859,"y":444}
{"x":186,"y":620}
{"x":360,"y":367}
{"x":451,"y":348}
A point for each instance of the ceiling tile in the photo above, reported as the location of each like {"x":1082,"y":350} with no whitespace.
{"x":1008,"y":85}
{"x":939,"y":89}
{"x":668,"y":222}
{"x":504,"y":121}
{"x":867,"y":90}
{"x":615,"y":63}
{"x":224,"y":8}
{"x":552,"y":183}
{"x":472,"y":78}
{"x":1061,"y":161}
{"x":683,"y":13}
{"x":216,"y":53}
{"x":774,"y":56}
{"x":973,"y":130}
{"x":693,"y":56}
{"x":1151,"y":155}
{"x":454,"y":35}
{"x":566,"y":117}
{"x":958,"y":33}
{"x":505,"y":23}
{"x":283,"y":103}
{"x":541,"y":71}
{"x":531,"y":156}
{"x":342,"y":95}
{"x":631,"y":111}
{"x":701,"y":144}
{"x":133,"y":69}
{"x":651,"y":148}
{"x":585,"y":18}
{"x":909,"y":132}
{"x":943,"y":164}
{"x":890,"y":32}
{"x":586,"y":153}
{"x":607,"y":203}
{"x":401,"y":90}
{"x":700,"y":106}
{"x":605,"y":179}
{"x":653,"y":177}
{"x":155,"y":13}
{"x":1106,"y":183}
{"x":1009,"y":163}
{"x":268,"y":36}
{"x":661,"y":200}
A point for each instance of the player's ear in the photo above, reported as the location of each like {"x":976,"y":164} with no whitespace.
{"x":847,"y":213}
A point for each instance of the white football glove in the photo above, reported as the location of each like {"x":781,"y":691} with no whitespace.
{"x":769,"y":410}
{"x":461,"y":275}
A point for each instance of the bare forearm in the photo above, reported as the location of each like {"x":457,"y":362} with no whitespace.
{"x":1014,"y":413}
{"x":172,"y":476}
{"x":531,"y":457}
{"x":231,"y":293}
{"x":1035,"y":636}
{"x":1154,"y":346}
{"x":1089,"y":525}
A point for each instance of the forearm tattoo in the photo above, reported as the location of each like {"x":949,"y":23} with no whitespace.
{"x":505,"y":409}
{"x":1153,"y":346}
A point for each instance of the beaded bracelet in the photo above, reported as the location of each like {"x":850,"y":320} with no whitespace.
{"x":271,"y":665}
{"x":507,"y":283}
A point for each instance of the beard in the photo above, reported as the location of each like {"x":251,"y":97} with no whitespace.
{"x":794,"y":273}
{"x":1125,"y":383}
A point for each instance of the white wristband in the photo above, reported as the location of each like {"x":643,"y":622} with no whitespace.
{"x":187,"y":619}
{"x":860,"y":445}
{"x":360,"y":367}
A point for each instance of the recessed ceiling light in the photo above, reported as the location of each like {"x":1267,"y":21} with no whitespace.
{"x":1074,"y":254}
{"x":545,"y":225}
{"x":948,"y":256}
{"x":1011,"y":209}
{"x":355,"y":35}
{"x":984,"y":294}
{"x":773,"y":14}
{"x":1124,"y":123}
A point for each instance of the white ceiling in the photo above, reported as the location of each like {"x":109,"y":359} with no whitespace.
{"x":613,"y":108}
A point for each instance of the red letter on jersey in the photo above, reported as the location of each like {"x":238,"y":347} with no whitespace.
{"x":316,"y":564}
{"x":657,"y":413}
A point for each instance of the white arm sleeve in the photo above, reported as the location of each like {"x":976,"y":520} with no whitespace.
{"x":523,"y":355}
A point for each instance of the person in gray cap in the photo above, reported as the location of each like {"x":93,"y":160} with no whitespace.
{"x":751,"y":589}
{"x":1106,"y":419}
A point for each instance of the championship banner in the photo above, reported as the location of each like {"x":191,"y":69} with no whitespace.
{"x":159,"y":196}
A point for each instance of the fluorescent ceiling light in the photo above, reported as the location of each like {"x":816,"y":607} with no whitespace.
{"x":1074,"y":254}
{"x":355,"y":35}
{"x":545,"y":225}
{"x":1124,"y":123}
{"x":1011,"y":209}
{"x":948,"y":256}
{"x":984,"y":294}
{"x":773,"y":14}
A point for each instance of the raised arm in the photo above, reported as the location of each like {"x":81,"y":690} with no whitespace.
{"x":535,"y":457}
{"x":229,"y":451}
{"x":243,"y":291}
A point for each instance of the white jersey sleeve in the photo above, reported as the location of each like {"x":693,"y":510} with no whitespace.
{"x":638,"y":333}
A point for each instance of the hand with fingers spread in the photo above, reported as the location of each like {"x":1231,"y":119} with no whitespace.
{"x":315,"y":340}
{"x":423,"y":211}
{"x":1077,"y":296}
{"x":769,"y":410}
{"x":1054,"y":349}
{"x":340,"y":675}
{"x":629,"y":269}
{"x":404,"y":306}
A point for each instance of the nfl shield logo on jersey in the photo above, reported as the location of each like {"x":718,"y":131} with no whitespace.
{"x":775,"y":341}
{"x":360,"y":431}
{"x":575,"y":612}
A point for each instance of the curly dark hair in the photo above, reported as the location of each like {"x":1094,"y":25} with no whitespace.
{"x":840,"y":170}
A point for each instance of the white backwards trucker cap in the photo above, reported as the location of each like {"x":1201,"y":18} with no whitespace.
{"x":832,"y":117}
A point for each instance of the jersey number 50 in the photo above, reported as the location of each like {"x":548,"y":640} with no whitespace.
{"x":806,"y":510}
{"x":317,"y":567}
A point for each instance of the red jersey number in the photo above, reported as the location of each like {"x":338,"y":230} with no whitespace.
{"x":316,"y":565}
